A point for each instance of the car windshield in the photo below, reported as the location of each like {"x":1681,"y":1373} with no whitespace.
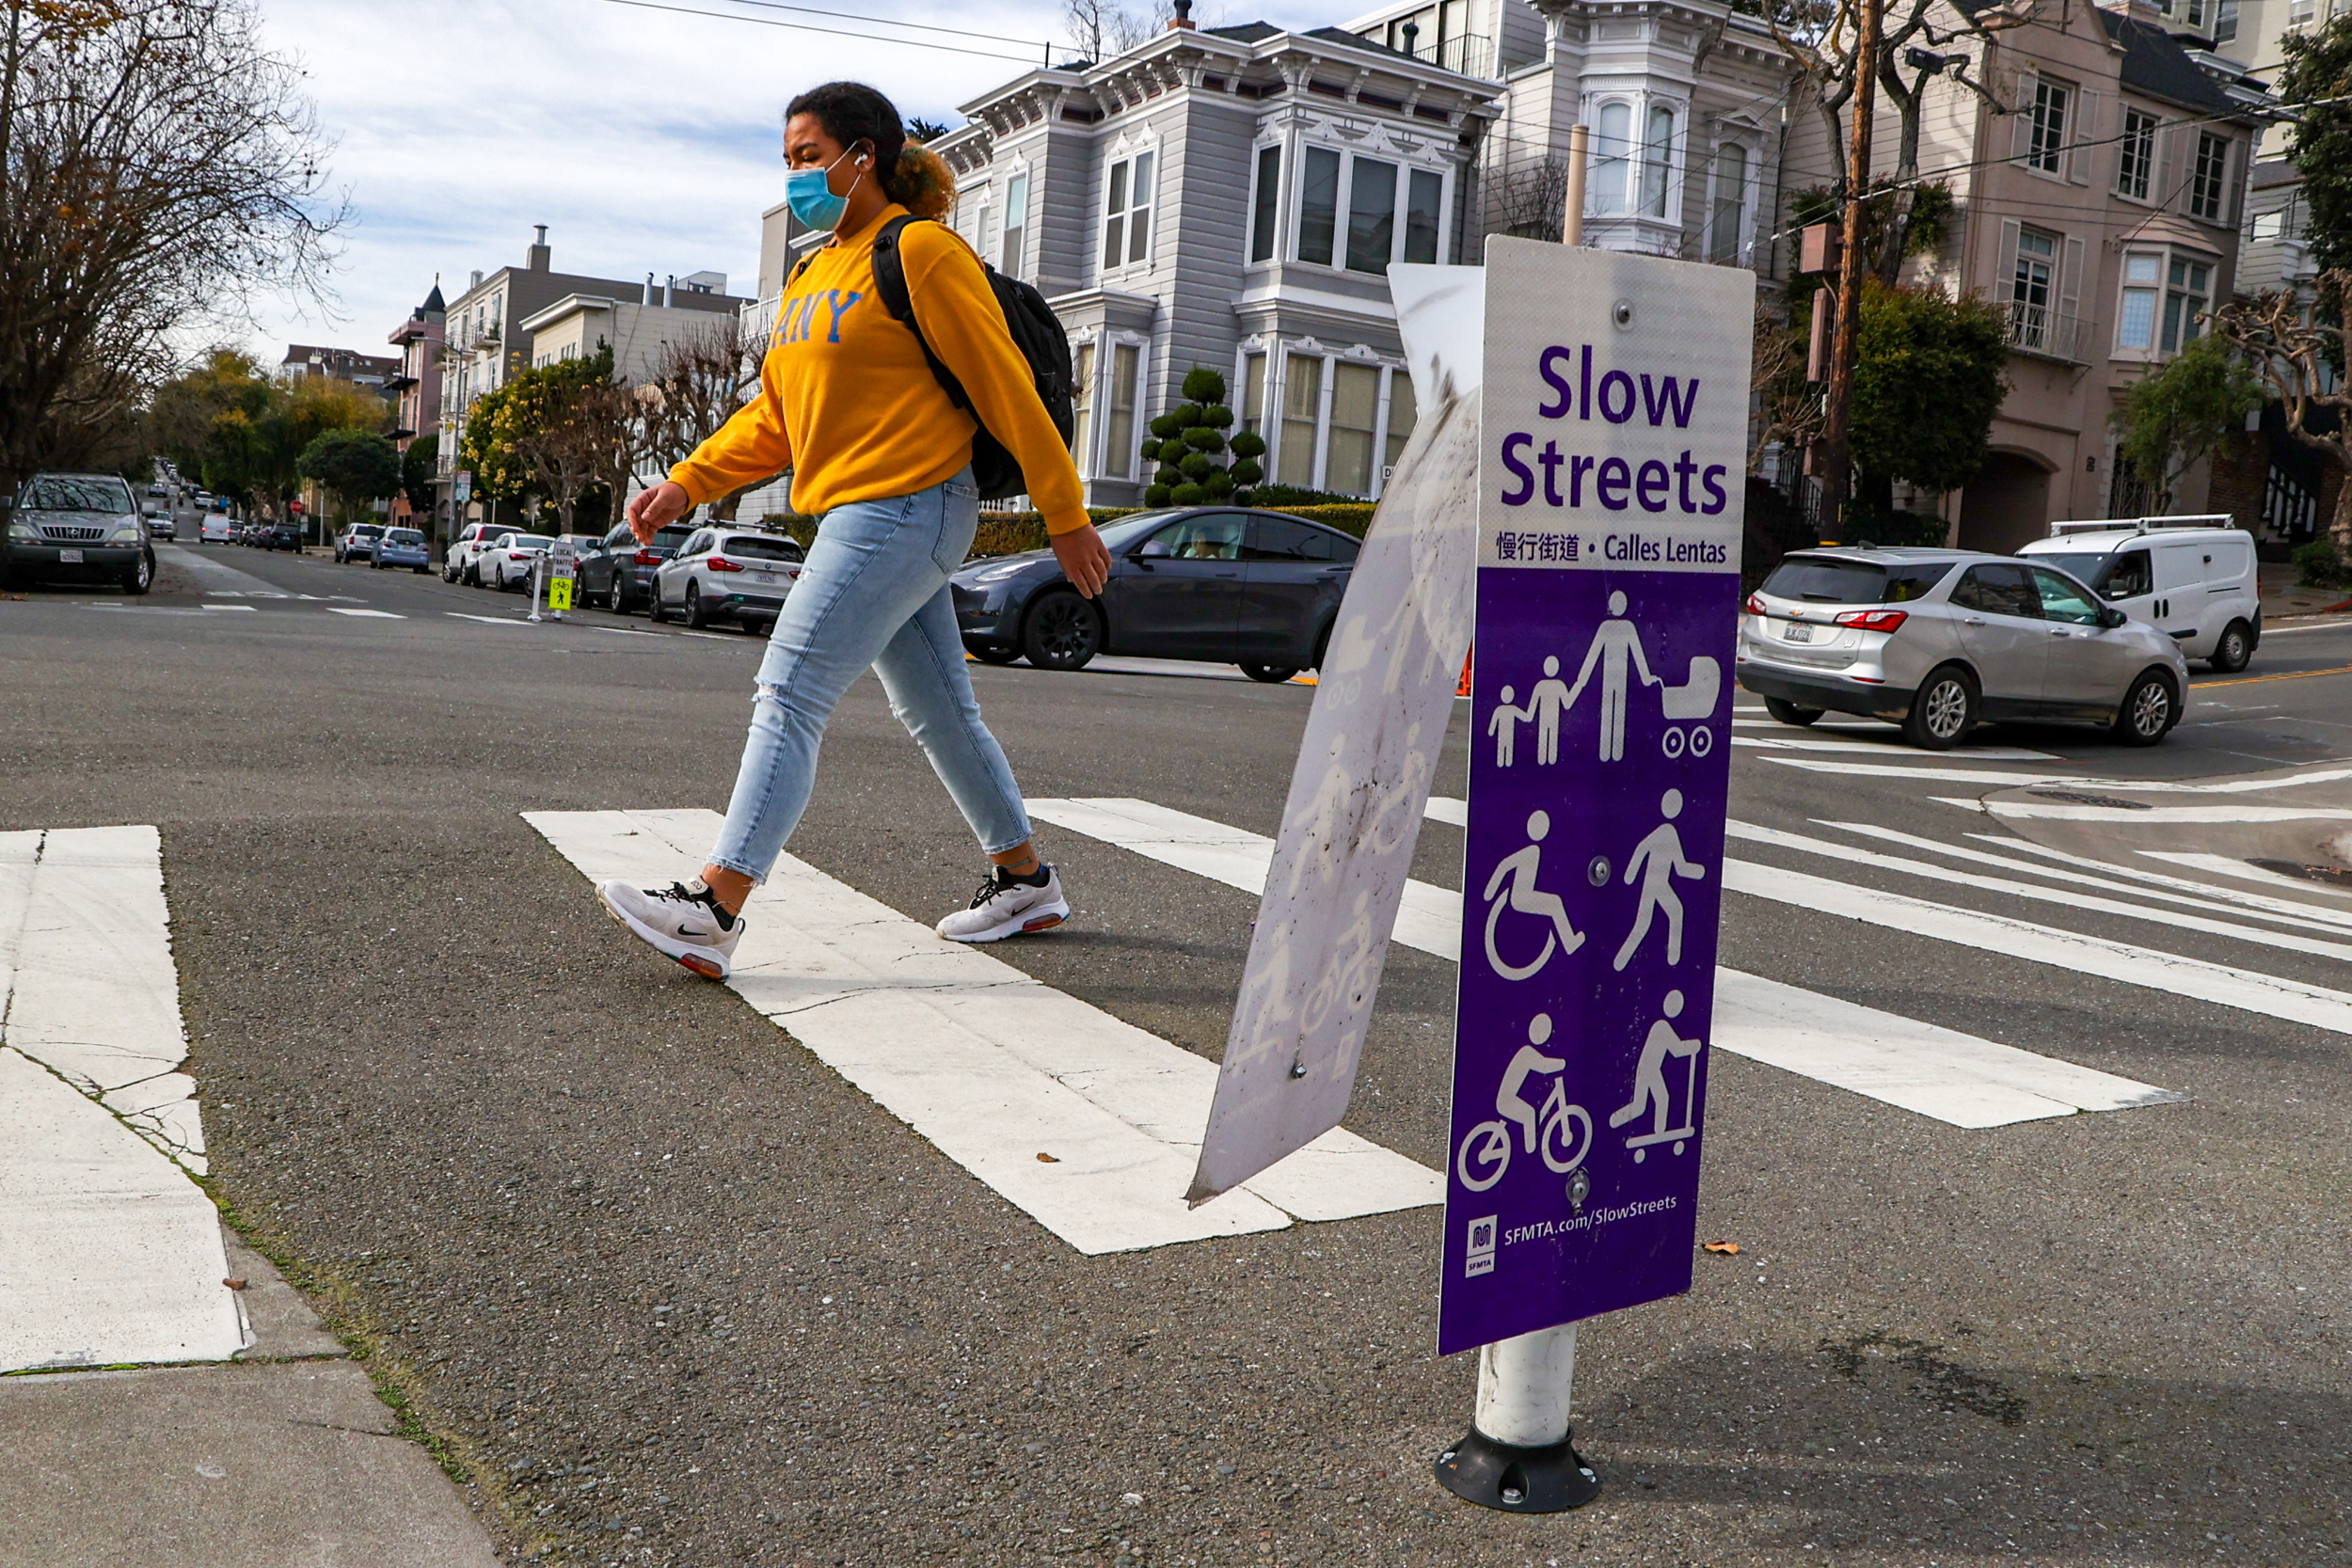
{"x":60,"y":492}
{"x":1130,"y":531}
{"x":404,"y":536}
{"x":1821,"y":580}
{"x":365,"y":530}
{"x":753,"y":546}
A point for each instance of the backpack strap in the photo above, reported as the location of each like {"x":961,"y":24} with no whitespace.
{"x":890,"y":282}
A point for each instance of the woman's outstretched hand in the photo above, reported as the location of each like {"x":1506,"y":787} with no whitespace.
{"x":1086,"y":561}
{"x":666,"y":502}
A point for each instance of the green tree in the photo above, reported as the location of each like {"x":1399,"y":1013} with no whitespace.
{"x":419,"y":462}
{"x":2180,"y":412}
{"x":2316,"y":84}
{"x":561,"y":431}
{"x":244,"y":432}
{"x":1190,"y":444}
{"x":1926,"y":388}
{"x":357,"y":467}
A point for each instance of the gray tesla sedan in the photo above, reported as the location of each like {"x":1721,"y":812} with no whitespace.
{"x":1937,"y":641}
{"x":1226,"y":584}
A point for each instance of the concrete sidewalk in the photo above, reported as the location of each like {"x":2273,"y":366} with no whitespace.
{"x":283,"y":1455}
{"x":2281,"y":598}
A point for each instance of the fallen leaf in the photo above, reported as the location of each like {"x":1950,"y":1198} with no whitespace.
{"x":234,"y":1284}
{"x":1045,"y":1159}
{"x":1727,"y":1248}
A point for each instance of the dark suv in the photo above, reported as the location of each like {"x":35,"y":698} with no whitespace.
{"x":82,"y":526}
{"x":620,"y":578}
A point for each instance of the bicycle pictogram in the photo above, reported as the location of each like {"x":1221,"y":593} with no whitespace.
{"x":1544,"y":1128}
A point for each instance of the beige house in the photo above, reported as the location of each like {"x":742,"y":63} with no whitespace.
{"x":638,"y":325}
{"x":2098,"y":207}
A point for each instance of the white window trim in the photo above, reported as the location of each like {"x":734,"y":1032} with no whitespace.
{"x":1285,"y":199}
{"x":1088,"y":462}
{"x":1287,"y":251}
{"x":1105,"y":360}
{"x":2154,"y":353}
{"x":2067,"y":132}
{"x":1638,"y":107}
{"x":1750,"y":193}
{"x":1126,"y":151}
{"x":1017,"y":169}
{"x":2156,"y":157}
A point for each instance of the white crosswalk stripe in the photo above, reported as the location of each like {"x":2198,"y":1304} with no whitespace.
{"x":992,"y":1067}
{"x":1934,"y":1071}
{"x":109,"y":1254}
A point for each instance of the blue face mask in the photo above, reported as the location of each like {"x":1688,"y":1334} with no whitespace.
{"x":809,"y":193}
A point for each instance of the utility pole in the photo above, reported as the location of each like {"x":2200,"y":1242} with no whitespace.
{"x":1837,"y":463}
{"x":1572,"y":223}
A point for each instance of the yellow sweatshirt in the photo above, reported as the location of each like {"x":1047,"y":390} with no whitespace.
{"x":846,"y":401}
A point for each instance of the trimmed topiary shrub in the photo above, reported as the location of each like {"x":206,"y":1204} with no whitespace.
{"x":1193,"y":443}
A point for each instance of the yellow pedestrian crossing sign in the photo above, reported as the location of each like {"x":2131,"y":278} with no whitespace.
{"x":560,"y":594}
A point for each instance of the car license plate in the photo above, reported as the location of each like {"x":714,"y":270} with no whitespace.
{"x":766,"y":580}
{"x":1794,"y":633}
{"x":70,"y":558}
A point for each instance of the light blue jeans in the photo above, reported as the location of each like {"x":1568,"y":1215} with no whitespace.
{"x":874,"y":591}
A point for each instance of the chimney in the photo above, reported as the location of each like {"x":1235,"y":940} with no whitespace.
{"x":1181,"y":21}
{"x":539,"y":253}
{"x":1412,"y":38}
{"x":477,"y":280}
{"x":669,"y":288}
{"x":648,"y":289}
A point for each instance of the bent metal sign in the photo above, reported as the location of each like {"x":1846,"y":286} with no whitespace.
{"x":1612,"y":440}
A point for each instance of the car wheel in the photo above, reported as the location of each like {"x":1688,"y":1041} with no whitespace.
{"x":1789,"y":712}
{"x":2150,"y":708}
{"x":1272,"y":675}
{"x":1942,"y":711}
{"x":993,"y":653}
{"x":616,"y":596}
{"x":655,"y":608}
{"x":1063,"y":632}
{"x":141,"y":577}
{"x":2235,"y":649}
{"x":696,"y":616}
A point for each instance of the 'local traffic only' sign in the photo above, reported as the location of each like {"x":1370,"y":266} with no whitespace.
{"x":563,"y":565}
{"x":1612,"y":455}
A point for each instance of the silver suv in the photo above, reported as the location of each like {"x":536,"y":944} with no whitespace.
{"x":1938,"y":641}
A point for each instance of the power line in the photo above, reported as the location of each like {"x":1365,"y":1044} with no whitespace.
{"x":854,"y":16}
{"x":831,"y":32}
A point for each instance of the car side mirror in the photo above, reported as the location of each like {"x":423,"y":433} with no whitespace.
{"x":1153,"y":547}
{"x":2111,"y":618}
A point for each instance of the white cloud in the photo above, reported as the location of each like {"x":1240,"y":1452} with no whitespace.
{"x":645,"y":140}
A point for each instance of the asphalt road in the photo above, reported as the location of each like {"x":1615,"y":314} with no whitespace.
{"x":493,"y":1136}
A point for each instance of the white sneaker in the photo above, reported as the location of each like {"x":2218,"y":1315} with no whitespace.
{"x":1004,"y":908}
{"x":679,"y":921}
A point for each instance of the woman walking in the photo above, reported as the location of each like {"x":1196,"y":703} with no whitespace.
{"x":878,"y":450}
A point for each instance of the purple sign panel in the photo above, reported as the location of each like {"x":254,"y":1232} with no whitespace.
{"x":1612,"y":440}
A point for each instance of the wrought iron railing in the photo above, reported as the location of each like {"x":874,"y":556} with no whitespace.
{"x":2037,"y":329}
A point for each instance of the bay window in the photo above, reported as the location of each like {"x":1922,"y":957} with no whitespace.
{"x":1016,"y":224}
{"x":1082,"y":407}
{"x":2136,"y":323}
{"x":1402,"y":413}
{"x":1355,"y":421}
{"x":1118,"y":429}
{"x":1127,"y":213}
{"x":1658,"y":150}
{"x":1612,"y":154}
{"x":2188,"y":292}
{"x":1394,"y":214}
{"x":1302,"y":414}
{"x":1730,"y":225}
{"x":1265,"y":216}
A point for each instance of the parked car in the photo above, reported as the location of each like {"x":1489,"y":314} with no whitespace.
{"x":204,"y":499}
{"x":77,"y":528}
{"x":213,"y":529}
{"x":619,"y":577}
{"x":1228,"y":584}
{"x":357,"y":542}
{"x":159,"y":523}
{"x":462,"y":561}
{"x":400,"y":546}
{"x":506,"y":564}
{"x":725,"y":573}
{"x":1937,"y":641}
{"x":2190,"y":577}
{"x":284,"y":534}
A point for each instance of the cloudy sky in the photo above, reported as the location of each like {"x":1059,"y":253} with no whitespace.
{"x":644,"y":139}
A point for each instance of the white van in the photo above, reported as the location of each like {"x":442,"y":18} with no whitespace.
{"x":2192,"y":578}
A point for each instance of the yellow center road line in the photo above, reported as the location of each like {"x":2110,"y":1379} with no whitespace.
{"x":2290,"y":675}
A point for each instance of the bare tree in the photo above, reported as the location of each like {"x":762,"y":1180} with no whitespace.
{"x":699,"y":380}
{"x":1100,"y":30}
{"x":2293,"y":343}
{"x":1533,"y":199}
{"x":158,"y":168}
{"x":1790,"y":410}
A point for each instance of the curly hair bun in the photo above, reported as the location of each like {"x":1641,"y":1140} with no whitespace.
{"x":922,"y":183}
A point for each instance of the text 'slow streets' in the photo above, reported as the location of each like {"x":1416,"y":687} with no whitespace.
{"x":2029,"y":1120}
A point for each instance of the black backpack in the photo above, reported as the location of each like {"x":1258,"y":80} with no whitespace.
{"x":1037,"y":332}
